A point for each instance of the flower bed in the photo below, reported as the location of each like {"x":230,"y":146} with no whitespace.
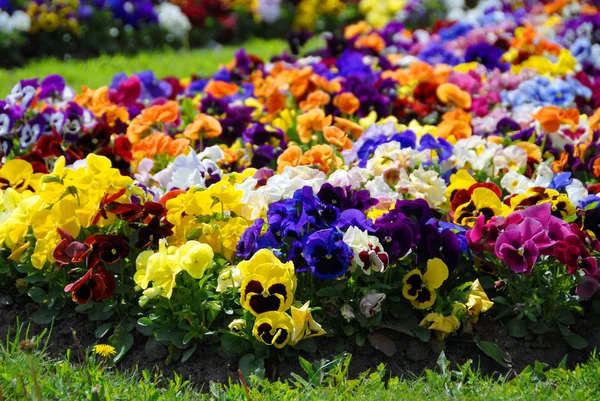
{"x":86,"y":28}
{"x":392,"y":180}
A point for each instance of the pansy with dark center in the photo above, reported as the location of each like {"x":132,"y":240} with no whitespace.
{"x":273,"y":328}
{"x":259,"y":296}
{"x":95,"y":286}
{"x":327,"y":255}
{"x":420,"y":288}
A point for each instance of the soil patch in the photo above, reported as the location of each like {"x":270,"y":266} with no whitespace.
{"x":210,"y":363}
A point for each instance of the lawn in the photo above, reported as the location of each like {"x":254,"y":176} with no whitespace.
{"x":94,"y":380}
{"x":99,"y":71}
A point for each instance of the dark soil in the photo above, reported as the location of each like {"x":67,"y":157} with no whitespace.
{"x":209,"y":363}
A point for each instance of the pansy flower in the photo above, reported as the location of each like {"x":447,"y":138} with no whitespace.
{"x":304,"y":324}
{"x":483,"y":201}
{"x":442,"y":325}
{"x":94,"y":285}
{"x":420,"y":288}
{"x":369,"y":254}
{"x":273,"y":328}
{"x":268,"y":284}
{"x":327,"y":255}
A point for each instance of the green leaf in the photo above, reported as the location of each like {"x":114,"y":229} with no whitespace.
{"x":250,"y":365}
{"x":37,"y":295}
{"x":261,"y":351}
{"x":122,"y":343}
{"x":328,"y":292}
{"x":574,"y":340}
{"x":103,"y":329}
{"x":36,"y":277}
{"x":360,"y":339}
{"x":540,"y":328}
{"x":500,"y":301}
{"x":308,"y":345}
{"x":596,"y":305}
{"x":493,"y":351}
{"x":188,"y":353}
{"x":166,"y":333}
{"x":566,"y":317}
{"x":422,"y":333}
{"x":188,"y":337}
{"x":348,"y":330}
{"x":43,"y":315}
{"x":306,"y":366}
{"x":517,"y":328}
{"x":144,"y":321}
{"x":233,"y":344}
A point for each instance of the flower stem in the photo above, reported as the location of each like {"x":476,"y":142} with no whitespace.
{"x":36,"y":386}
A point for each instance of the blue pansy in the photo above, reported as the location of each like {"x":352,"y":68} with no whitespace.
{"x":560,"y":181}
{"x":327,"y":255}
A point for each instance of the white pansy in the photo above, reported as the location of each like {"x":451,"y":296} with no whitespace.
{"x":172,"y":19}
{"x":353,"y":178}
{"x":543,"y":176}
{"x":515,"y":183}
{"x":423,"y":184}
{"x":511,"y":158}
{"x":576,"y":191}
{"x":368,"y":253}
{"x":269,"y":10}
{"x":18,"y":21}
{"x":380,"y":190}
{"x":474,"y":153}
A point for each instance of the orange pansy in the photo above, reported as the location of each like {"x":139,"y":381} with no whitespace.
{"x":551,"y":118}
{"x":317,"y":98}
{"x":164,"y":113}
{"x":346,"y":102}
{"x":337,"y":137}
{"x":203,"y":126}
{"x":311,"y":121}
{"x":323,"y":157}
{"x":372,"y":41}
{"x":456,"y":129}
{"x":290,"y":157}
{"x":349,"y":127}
{"x":221,"y":89}
{"x":452,"y":94}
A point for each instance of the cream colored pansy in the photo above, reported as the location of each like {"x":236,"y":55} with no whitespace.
{"x":229,"y":277}
{"x":515,"y":183}
{"x":511,"y":158}
{"x":423,"y":184}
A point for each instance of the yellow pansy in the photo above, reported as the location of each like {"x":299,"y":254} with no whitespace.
{"x":195,"y":258}
{"x":18,"y":175}
{"x":273,"y":328}
{"x":285,"y":120}
{"x":442,"y":325}
{"x":459,"y":180}
{"x":477,"y":301}
{"x":267,"y":284}
{"x":304,"y":324}
{"x":483,"y":201}
{"x":230,"y":233}
{"x":419,"y":288}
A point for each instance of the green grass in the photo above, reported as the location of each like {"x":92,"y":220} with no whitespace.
{"x":99,"y":71}
{"x":67,"y":379}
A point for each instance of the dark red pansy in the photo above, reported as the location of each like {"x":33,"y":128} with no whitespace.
{"x":67,"y":248}
{"x":93,"y":286}
{"x":460,"y":197}
{"x":50,"y":145}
